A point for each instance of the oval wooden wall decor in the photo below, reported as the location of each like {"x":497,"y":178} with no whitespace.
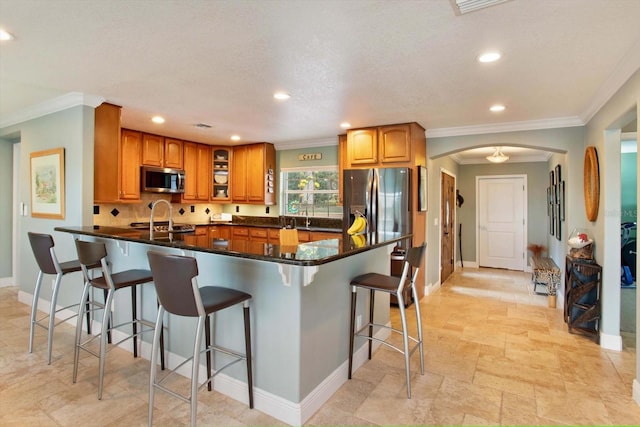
{"x":591,"y":183}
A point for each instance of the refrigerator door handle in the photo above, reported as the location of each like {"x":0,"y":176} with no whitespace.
{"x":375,"y":187}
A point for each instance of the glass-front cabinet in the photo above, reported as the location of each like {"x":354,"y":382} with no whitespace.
{"x":221,"y":177}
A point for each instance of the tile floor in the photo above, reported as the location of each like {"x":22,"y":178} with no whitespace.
{"x":495,"y":355}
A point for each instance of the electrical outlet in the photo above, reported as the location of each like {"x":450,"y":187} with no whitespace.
{"x":237,"y":209}
{"x":358,"y":322}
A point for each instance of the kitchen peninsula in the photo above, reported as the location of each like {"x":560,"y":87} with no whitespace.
{"x":300,"y":308}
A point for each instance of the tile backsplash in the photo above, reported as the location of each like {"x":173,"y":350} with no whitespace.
{"x":123,"y":214}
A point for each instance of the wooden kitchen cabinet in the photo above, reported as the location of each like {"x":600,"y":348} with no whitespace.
{"x":253,"y":174}
{"x":325,"y":235}
{"x":221,"y":185}
{"x":152,"y":150}
{"x":162,"y":152}
{"x":197,"y":168}
{"x":116,"y":175}
{"x":220,"y":232}
{"x":173,"y":153}
{"x":342,"y":161}
{"x":200,"y":237}
{"x":257,"y":234}
{"x":383,"y":146}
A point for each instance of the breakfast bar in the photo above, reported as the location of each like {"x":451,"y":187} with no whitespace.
{"x":300,"y":308}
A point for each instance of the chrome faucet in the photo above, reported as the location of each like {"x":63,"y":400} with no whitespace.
{"x":307,"y":222}
{"x":153,"y":208}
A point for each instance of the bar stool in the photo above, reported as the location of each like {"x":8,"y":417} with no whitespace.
{"x":42,"y":246}
{"x":393,"y":286}
{"x":175,"y":278}
{"x":90,"y":253}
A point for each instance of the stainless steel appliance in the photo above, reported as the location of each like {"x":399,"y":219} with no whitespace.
{"x":382,"y":195}
{"x":162,"y":180}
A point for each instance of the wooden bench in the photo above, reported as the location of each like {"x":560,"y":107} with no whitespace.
{"x":545,"y":272}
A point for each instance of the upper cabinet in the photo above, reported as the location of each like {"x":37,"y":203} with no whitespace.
{"x":221,"y":173}
{"x":116,"y":177}
{"x":383,"y":146}
{"x":342,"y":161}
{"x":173,"y":153}
{"x":162,"y":152}
{"x":253,"y":174}
{"x":197,"y":168}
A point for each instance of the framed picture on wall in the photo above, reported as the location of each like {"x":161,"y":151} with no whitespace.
{"x":47,"y":184}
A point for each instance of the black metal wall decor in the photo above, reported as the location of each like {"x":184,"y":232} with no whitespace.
{"x":555,"y":202}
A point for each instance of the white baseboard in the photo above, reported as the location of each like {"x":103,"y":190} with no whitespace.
{"x":636,"y":391}
{"x":292,"y":413}
{"x":470,"y":264}
{"x":431,"y":288}
{"x":611,"y":342}
{"x":6,"y":281}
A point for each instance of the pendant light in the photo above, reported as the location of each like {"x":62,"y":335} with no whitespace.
{"x":498,"y":156}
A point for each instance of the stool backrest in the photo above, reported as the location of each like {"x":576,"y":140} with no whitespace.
{"x":174,"y":277}
{"x":413,"y":259}
{"x":91,"y":254}
{"x":416,"y":255}
{"x":42,"y":246}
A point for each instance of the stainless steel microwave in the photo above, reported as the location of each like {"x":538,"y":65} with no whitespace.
{"x":162,"y":180}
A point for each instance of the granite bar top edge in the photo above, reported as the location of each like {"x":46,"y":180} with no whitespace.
{"x":321,"y":253}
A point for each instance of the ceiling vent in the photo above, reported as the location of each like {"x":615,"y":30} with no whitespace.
{"x":461,"y":7}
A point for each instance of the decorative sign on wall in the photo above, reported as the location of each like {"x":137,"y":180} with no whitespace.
{"x":310,"y":156}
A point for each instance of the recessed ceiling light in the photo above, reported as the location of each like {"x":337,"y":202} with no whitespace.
{"x":157,"y":119}
{"x":281,"y":96}
{"x":489,"y":57}
{"x":235,"y":137}
{"x":5,"y":35}
{"x":345,"y":125}
{"x":497,"y":108}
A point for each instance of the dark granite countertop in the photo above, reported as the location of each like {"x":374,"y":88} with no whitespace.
{"x":304,"y":254}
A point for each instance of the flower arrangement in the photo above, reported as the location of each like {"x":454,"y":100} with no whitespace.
{"x":536,"y":249}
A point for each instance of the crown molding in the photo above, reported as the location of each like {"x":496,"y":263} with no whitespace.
{"x":307,"y":143}
{"x":561,"y":122}
{"x":628,"y":65}
{"x":63,"y":102}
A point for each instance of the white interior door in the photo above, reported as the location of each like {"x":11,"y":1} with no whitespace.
{"x":501,"y":222}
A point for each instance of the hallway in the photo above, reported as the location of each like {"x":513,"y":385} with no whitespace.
{"x":495,"y":355}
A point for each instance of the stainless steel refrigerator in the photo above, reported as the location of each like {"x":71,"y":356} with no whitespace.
{"x":382,"y":195}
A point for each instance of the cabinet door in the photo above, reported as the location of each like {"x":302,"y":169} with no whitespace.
{"x":394,"y":143}
{"x":173,"y":153}
{"x":152,"y":150}
{"x":106,"y":163}
{"x":256,"y":173}
{"x":240,"y":233}
{"x":190,"y":170}
{"x":325,"y":235}
{"x":219,"y":232}
{"x":203,"y":160}
{"x":221,"y":174}
{"x":362,"y":146}
{"x":342,"y":160}
{"x":131,"y":144}
{"x":259,"y":235}
{"x":239,"y":174}
{"x":274,"y":236}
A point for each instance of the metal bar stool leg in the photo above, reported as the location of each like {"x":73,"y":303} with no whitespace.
{"x":154,"y":361}
{"x":103,"y":341}
{"x":247,"y":345}
{"x":52,"y":316}
{"x":207,"y":346}
{"x":372,"y":298}
{"x":405,"y":342}
{"x":81,"y":309}
{"x":352,"y":331}
{"x":134,"y":317}
{"x":34,"y":309}
{"x":419,"y":325}
{"x":194,"y":370}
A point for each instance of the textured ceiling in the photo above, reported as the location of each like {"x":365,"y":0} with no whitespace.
{"x":367,"y":62}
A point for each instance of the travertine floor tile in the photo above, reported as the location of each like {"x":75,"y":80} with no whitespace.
{"x":495,"y":354}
